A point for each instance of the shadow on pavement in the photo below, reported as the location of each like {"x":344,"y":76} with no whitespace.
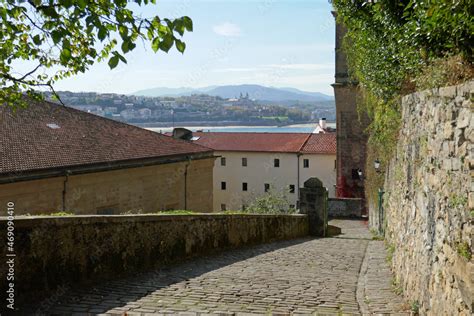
{"x":111,"y":294}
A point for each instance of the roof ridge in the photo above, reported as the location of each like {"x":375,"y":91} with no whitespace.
{"x":305,"y":142}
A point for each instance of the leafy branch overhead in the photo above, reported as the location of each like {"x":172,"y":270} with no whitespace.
{"x":61,"y":38}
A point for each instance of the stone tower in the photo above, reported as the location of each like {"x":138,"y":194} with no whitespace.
{"x":351,"y":138}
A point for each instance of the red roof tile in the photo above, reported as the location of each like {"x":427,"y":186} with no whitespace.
{"x":267,"y":142}
{"x":46,"y":135}
{"x":320,"y":144}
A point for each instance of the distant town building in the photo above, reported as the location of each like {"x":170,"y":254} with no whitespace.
{"x":250,"y":164}
{"x":58,"y":159}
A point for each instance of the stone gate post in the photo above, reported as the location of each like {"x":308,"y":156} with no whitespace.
{"x":313,"y":200}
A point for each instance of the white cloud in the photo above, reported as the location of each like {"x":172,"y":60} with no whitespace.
{"x":235,"y":69}
{"x":227,"y":29}
{"x":302,"y":66}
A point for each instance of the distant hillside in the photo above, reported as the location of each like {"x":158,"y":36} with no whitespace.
{"x":256,"y":92}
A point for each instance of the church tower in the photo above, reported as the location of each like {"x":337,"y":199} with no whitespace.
{"x":351,"y":137}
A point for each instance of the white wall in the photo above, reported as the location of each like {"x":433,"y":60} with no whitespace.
{"x":260,"y":170}
{"x":321,"y":167}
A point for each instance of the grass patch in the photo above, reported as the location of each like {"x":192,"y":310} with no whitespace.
{"x":177,"y":212}
{"x":449,"y":71}
{"x":51,"y":214}
{"x":59,"y":214}
{"x":390,"y":252}
{"x":396,"y":287}
{"x":464,"y":250}
{"x":376,"y":235}
{"x":415,"y":307}
{"x":457,"y":200}
{"x":233,"y":213}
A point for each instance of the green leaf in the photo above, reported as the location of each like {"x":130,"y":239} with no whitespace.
{"x":113,"y":61}
{"x":102,"y":33}
{"x":65,"y":55}
{"x":123,"y":31}
{"x":155,"y":44}
{"x":167,"y":43}
{"x":179,"y":26}
{"x":82,"y":3}
{"x":50,"y":11}
{"x":66,"y":3}
{"x":180,"y":45}
{"x":37,"y":40}
{"x":125,"y":47}
{"x":120,"y":57}
{"x":188,"y":23}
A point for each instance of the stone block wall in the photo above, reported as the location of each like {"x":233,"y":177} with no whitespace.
{"x":429,"y":200}
{"x":345,"y":207}
{"x":71,"y":251}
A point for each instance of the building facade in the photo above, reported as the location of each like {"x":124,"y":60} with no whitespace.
{"x":251,"y":164}
{"x":58,"y":159}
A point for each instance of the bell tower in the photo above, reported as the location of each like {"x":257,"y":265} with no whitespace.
{"x":350,"y":129}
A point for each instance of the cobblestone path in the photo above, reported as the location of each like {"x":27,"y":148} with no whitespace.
{"x":344,"y":275}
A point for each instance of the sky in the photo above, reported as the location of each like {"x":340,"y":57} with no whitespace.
{"x":279,"y":43}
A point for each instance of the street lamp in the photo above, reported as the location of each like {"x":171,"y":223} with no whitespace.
{"x":380,"y":199}
{"x":359,"y":173}
{"x":377,"y":165}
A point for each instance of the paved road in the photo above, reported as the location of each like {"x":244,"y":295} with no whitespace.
{"x":345,"y":275}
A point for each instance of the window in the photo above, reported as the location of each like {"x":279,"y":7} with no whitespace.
{"x":223,"y":207}
{"x":244,"y":162}
{"x":276,"y":163}
{"x":223,"y":185}
{"x":244,"y":186}
{"x":267,"y":187}
{"x":222,"y":161}
{"x":305,"y":163}
{"x":292,"y":188}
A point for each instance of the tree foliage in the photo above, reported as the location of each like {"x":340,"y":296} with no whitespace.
{"x":388,"y":42}
{"x":65,"y":37}
{"x":396,"y":46}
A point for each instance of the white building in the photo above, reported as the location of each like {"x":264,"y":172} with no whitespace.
{"x":252,"y":163}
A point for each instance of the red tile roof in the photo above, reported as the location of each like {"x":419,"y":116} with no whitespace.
{"x":46,"y":135}
{"x":320,"y":144}
{"x":268,"y":142}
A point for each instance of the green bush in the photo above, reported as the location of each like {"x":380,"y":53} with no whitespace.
{"x":389,"y":42}
{"x":272,"y":202}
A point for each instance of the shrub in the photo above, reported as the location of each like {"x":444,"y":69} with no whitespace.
{"x":272,"y":202}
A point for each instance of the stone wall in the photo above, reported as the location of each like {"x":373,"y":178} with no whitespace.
{"x":429,"y":200}
{"x":144,"y":189}
{"x":345,"y":207}
{"x":75,"y":250}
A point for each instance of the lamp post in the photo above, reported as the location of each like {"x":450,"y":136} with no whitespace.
{"x":380,"y":198}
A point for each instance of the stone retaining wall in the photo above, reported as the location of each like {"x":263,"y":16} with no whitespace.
{"x":52,"y":251}
{"x":429,"y":201}
{"x":345,"y":207}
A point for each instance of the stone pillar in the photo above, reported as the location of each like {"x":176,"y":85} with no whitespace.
{"x":313,"y":200}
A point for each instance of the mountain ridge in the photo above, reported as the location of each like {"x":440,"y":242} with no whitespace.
{"x":254,"y":91}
